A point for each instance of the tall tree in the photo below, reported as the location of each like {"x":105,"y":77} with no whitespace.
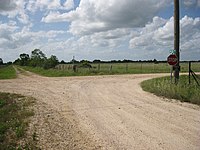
{"x":37,"y":58}
{"x":37,"y":54}
{"x":24,"y":59}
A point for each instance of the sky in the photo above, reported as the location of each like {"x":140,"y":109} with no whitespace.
{"x":98,"y":29}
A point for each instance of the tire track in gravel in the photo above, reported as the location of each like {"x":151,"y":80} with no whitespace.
{"x":106,"y":112}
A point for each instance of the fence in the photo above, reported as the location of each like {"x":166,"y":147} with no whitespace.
{"x":194,"y":75}
{"x":121,"y":68}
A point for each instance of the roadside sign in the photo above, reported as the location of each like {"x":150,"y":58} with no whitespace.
{"x":172,"y":51}
{"x":172,"y":59}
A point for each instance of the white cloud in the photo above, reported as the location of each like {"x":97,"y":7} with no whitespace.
{"x":7,"y":5}
{"x":160,"y":36}
{"x":14,"y":9}
{"x":99,"y":16}
{"x":104,"y":29}
{"x":56,"y":16}
{"x":6,"y":31}
{"x":11,"y":38}
{"x":69,"y":4}
{"x":46,"y":5}
{"x":33,"y":5}
{"x":190,"y":3}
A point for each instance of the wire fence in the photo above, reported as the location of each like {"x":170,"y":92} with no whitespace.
{"x":122,"y":68}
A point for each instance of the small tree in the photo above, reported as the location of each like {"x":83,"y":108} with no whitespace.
{"x":96,"y":61}
{"x":1,"y":61}
{"x":17,"y":61}
{"x":51,"y":62}
{"x":155,"y":61}
{"x":37,"y":58}
{"x":62,"y":62}
{"x":85,"y":64}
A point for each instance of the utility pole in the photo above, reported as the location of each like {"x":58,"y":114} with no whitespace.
{"x":176,"y":38}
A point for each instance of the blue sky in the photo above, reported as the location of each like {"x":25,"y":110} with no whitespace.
{"x":98,"y":29}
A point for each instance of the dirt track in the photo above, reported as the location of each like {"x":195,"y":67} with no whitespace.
{"x":106,"y":112}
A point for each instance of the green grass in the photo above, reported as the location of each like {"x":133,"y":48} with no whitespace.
{"x":105,"y":69}
{"x":14,"y":114}
{"x":183,"y":91}
{"x":49,"y":72}
{"x":7,"y":72}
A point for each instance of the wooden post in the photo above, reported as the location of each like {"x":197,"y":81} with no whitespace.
{"x":110,"y":67}
{"x":171,"y":72}
{"x":176,"y":38}
{"x":189,"y":71}
{"x":98,"y":67}
{"x":126,"y":67}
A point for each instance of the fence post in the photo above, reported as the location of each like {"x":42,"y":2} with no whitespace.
{"x":98,"y":67}
{"x":189,"y":71}
{"x":110,"y":67}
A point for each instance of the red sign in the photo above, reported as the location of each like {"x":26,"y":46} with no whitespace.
{"x":172,"y":59}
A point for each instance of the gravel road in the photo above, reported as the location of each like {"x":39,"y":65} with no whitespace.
{"x":106,"y":112}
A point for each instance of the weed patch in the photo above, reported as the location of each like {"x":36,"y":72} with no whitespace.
{"x":7,"y":72}
{"x":183,"y":91}
{"x":14,"y":114}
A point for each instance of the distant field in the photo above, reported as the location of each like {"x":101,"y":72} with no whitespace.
{"x":7,"y":72}
{"x":126,"y":68}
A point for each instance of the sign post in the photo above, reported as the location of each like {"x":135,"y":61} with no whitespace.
{"x":172,"y":60}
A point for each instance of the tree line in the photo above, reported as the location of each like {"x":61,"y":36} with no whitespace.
{"x":37,"y":59}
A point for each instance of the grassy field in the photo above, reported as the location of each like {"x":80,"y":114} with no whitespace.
{"x":14,"y":114}
{"x":110,"y":69}
{"x":7,"y":72}
{"x":183,"y":91}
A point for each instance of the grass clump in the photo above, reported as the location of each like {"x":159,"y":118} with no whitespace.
{"x":7,"y":72}
{"x":182,"y":91}
{"x":14,"y":114}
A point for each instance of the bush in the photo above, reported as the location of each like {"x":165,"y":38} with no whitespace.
{"x":183,"y":91}
{"x":85,"y":64}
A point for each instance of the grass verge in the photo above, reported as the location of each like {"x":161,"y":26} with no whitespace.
{"x":49,"y":72}
{"x":183,"y":91}
{"x":7,"y":72}
{"x":14,"y":114}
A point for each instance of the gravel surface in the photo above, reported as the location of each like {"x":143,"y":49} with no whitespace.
{"x":106,"y":112}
